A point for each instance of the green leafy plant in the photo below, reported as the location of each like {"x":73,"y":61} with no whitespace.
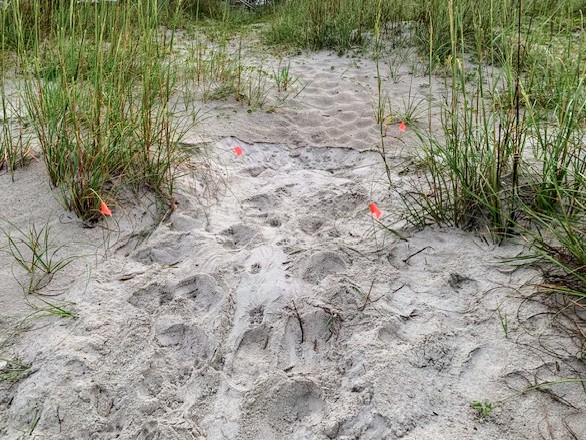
{"x":484,"y":408}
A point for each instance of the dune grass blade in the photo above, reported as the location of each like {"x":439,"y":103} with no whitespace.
{"x":13,"y":370}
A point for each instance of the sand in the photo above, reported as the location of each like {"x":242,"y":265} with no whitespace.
{"x":271,"y":304}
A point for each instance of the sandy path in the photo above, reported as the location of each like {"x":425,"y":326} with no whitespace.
{"x":272,"y":306}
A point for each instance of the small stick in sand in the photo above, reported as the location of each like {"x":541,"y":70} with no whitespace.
{"x":418,"y":252}
{"x":366,"y":300}
{"x":300,"y":322}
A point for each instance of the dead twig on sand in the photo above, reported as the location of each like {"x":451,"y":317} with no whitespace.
{"x":300,"y":321}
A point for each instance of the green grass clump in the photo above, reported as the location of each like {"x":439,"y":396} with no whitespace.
{"x":333,"y":24}
{"x":558,"y":242}
{"x":480,"y":172}
{"x":98,"y":92}
{"x":201,"y":9}
{"x":469,"y":181}
{"x":14,"y":150}
{"x":510,"y":157}
{"x":216,"y":72}
{"x":487,"y":29}
{"x":34,"y":251}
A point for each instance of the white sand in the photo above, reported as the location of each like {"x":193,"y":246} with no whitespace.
{"x":271,"y":306}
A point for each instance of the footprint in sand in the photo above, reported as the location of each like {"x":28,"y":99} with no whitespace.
{"x":320,"y":265}
{"x":151,"y":297}
{"x":201,"y":290}
{"x":169,"y":250}
{"x":187,"y":340}
{"x":280,"y":405}
{"x":261,"y":204}
{"x":240,"y":235}
{"x":310,"y":224}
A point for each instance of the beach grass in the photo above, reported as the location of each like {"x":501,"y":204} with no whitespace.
{"x":97,"y":92}
{"x":35,"y":252}
{"x":12,"y":370}
{"x":218,"y":71}
{"x":329,"y":24}
{"x":508,"y":158}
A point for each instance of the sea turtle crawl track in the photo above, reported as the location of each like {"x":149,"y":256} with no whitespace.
{"x":271,"y":305}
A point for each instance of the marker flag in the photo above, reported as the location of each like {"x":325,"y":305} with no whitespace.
{"x":375,"y":211}
{"x":104,"y":209}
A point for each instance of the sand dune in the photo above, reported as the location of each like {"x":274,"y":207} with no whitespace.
{"x":271,"y":305}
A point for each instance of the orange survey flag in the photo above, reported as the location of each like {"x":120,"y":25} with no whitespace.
{"x":374,"y":210}
{"x":104,"y":209}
